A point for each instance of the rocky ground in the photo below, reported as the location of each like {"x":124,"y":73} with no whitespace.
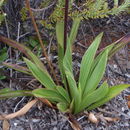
{"x":41,"y":117}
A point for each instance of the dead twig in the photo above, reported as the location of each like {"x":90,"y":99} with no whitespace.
{"x":43,"y":9}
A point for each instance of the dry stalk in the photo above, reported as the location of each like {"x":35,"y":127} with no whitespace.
{"x":40,"y":40}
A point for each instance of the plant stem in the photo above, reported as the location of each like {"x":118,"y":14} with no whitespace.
{"x":65,"y":35}
{"x":66,"y":23}
{"x":40,"y":40}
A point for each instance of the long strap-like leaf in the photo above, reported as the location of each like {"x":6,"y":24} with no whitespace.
{"x":87,"y":62}
{"x":113,"y":91}
{"x":4,"y":94}
{"x":50,"y":94}
{"x":97,"y":74}
{"x":73,"y":90}
{"x":40,"y":75}
{"x":95,"y":96}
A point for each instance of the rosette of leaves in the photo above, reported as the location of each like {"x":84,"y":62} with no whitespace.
{"x":70,"y":97}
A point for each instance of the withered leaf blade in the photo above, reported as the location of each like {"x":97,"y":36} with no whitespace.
{"x":17,"y":67}
{"x":110,"y":119}
{"x":128,"y":103}
{"x":92,"y":118}
{"x":6,"y":125}
{"x":21,"y":112}
{"x":74,"y":123}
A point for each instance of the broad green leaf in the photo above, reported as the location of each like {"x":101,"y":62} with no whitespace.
{"x":96,"y":60}
{"x":97,"y":74}
{"x":18,"y":93}
{"x":94,"y":96}
{"x":60,"y":40}
{"x":60,"y":33}
{"x":49,"y":94}
{"x":112,"y":49}
{"x":74,"y":30}
{"x":60,"y":64}
{"x":67,"y":61}
{"x":87,"y":61}
{"x":75,"y":94}
{"x":64,"y":93}
{"x":40,"y":75}
{"x":63,"y":107}
{"x":113,"y":92}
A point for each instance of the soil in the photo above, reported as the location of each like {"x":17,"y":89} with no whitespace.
{"x":41,"y":117}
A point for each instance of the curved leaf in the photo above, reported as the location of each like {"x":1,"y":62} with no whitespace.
{"x":94,"y":96}
{"x":49,"y":94}
{"x":64,"y":93}
{"x":87,"y":61}
{"x":73,"y":89}
{"x":97,"y":74}
{"x":40,"y":75}
{"x":17,"y":93}
{"x":113,"y":91}
{"x":74,"y":92}
{"x":60,"y":40}
{"x":60,"y":33}
{"x":74,"y":30}
{"x":63,"y":107}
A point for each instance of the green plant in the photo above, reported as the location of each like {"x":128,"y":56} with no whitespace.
{"x":73,"y":97}
{"x":3,"y":56}
{"x":2,"y":15}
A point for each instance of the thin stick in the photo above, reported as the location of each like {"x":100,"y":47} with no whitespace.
{"x":65,"y":34}
{"x":66,"y":23}
{"x":40,"y":39}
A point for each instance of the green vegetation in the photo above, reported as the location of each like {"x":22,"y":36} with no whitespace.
{"x":3,"y":56}
{"x":2,"y":15}
{"x":71,"y":96}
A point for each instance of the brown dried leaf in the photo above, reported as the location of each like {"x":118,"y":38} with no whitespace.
{"x":45,"y":101}
{"x":128,"y":103}
{"x":21,"y":112}
{"x":74,"y":123}
{"x":128,"y":97}
{"x":6,"y":125}
{"x":92,"y":118}
{"x":110,"y":119}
